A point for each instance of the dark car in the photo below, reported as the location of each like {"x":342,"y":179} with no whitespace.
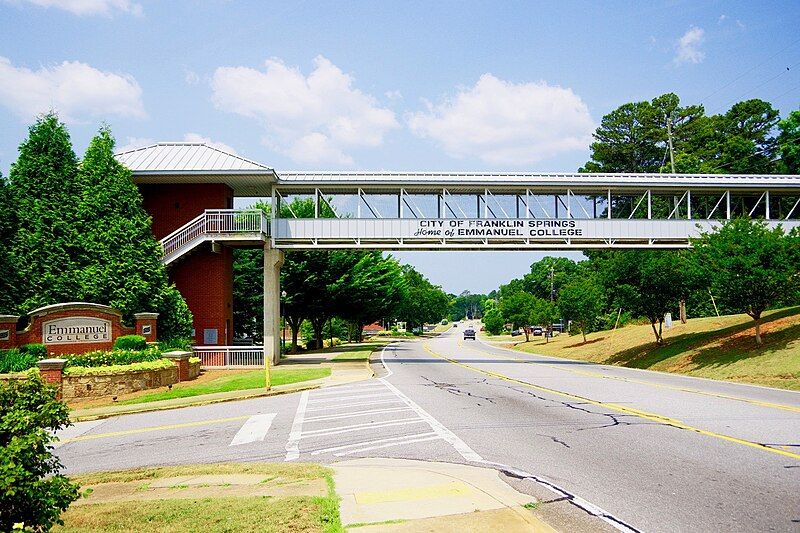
{"x":469,"y":333}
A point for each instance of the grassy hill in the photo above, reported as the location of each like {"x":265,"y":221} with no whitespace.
{"x":718,"y":348}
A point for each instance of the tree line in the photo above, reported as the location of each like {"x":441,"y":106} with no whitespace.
{"x":334,"y":292}
{"x":742,"y":267}
{"x":76,"y":230}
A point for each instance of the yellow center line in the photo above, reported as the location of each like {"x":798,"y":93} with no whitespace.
{"x":615,"y":407}
{"x":152,"y":428}
{"x":782,"y":407}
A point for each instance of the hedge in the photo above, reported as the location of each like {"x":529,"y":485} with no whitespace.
{"x":130,"y":342}
{"x":158,"y":364}
{"x":14,"y":360}
{"x":113,"y":357}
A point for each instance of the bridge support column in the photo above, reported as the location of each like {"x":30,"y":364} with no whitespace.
{"x":273,"y":259}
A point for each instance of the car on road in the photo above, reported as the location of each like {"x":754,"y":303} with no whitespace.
{"x":469,"y":333}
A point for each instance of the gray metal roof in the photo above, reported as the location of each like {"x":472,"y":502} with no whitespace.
{"x":187,"y":158}
{"x":534,"y":179}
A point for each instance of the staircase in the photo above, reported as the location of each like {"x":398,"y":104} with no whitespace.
{"x":237,"y":227}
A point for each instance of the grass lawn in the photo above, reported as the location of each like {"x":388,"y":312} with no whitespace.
{"x":126,"y":501}
{"x":251,"y":379}
{"x":356,"y":352}
{"x":718,"y":348}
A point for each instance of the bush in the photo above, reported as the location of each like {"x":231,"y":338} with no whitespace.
{"x":115,"y":357}
{"x":130,"y":342}
{"x":32,"y":492}
{"x":183,"y":345}
{"x":15,"y":361}
{"x":39,"y":351}
{"x":158,"y":364}
{"x":174,"y":316}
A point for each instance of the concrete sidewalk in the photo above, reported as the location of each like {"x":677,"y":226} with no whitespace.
{"x":399,"y":495}
{"x":341,"y":373}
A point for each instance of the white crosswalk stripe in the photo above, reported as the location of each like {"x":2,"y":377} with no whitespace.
{"x":253,"y":430}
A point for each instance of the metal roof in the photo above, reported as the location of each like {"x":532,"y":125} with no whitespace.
{"x":534,"y":179}
{"x":187,"y":158}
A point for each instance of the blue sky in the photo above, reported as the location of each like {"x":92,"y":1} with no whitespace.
{"x":385,"y":86}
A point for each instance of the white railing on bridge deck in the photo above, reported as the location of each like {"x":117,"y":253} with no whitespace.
{"x":221,"y":356}
{"x":212,"y":223}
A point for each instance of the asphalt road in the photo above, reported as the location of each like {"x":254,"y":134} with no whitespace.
{"x":642,"y":450}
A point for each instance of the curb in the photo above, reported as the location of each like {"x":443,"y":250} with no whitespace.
{"x":196,"y":403}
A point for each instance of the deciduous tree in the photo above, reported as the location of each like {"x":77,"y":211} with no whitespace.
{"x":581,"y":300}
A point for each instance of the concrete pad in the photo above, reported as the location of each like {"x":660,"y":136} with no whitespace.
{"x":377,"y":490}
{"x":506,"y":520}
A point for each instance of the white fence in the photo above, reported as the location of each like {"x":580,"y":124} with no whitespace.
{"x":221,"y":356}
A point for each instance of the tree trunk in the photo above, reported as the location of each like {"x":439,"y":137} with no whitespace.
{"x":583,"y":332}
{"x":758,"y":331}
{"x":527,"y":335}
{"x":330,"y":330}
{"x":295,"y":332}
{"x":656,"y":331}
{"x":359,"y":332}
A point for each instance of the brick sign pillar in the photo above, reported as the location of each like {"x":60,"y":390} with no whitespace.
{"x":146,"y":325}
{"x":181,"y":359}
{"x":52,"y":371}
{"x":8,"y":331}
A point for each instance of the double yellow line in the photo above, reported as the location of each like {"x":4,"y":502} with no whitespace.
{"x":616,"y":407}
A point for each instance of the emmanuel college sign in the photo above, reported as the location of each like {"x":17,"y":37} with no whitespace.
{"x":81,"y":329}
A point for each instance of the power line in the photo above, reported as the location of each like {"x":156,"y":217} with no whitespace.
{"x":781,"y":73}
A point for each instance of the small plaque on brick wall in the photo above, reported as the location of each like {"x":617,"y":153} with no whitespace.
{"x":147,"y":330}
{"x":5,"y":334}
{"x":210,"y":336}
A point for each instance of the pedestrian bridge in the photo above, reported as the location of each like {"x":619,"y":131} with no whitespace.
{"x":473,"y":211}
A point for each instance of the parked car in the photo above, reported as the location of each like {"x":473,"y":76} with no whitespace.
{"x":469,"y":333}
{"x":516,"y":333}
{"x":537,"y":331}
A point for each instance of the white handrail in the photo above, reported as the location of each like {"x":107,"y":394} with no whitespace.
{"x":215,"y":222}
{"x":211,"y":356}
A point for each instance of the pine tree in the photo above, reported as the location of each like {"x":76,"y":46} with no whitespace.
{"x":43,"y":186}
{"x":120,"y":259}
{"x":8,"y":273}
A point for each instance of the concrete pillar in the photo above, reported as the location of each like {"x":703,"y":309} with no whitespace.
{"x":146,"y":325}
{"x":273,"y":260}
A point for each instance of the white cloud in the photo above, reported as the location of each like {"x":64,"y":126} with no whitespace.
{"x":74,"y":89}
{"x":313,"y":119}
{"x":132,"y":143}
{"x":506,"y":123}
{"x":393,"y":95}
{"x":191,"y":77}
{"x":197,"y":138}
{"x":688,"y":46}
{"x":722,"y":18}
{"x":90,"y":7}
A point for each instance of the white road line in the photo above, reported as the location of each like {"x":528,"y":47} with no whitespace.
{"x":254,"y":429}
{"x":366,"y":424}
{"x":339,"y":390}
{"x":357,"y":404}
{"x":461,"y":447}
{"x":365,"y":428}
{"x":76,"y":430}
{"x":370,"y":442}
{"x":357,"y":413}
{"x":384,"y":394}
{"x":388,"y":445}
{"x":293,"y":444}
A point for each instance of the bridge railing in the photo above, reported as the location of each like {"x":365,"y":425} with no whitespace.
{"x":211,"y":223}
{"x":230,"y":356}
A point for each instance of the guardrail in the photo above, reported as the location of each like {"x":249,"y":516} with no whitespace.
{"x":211,"y":223}
{"x":230,"y":356}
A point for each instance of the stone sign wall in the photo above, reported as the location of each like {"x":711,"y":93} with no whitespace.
{"x":74,"y":327}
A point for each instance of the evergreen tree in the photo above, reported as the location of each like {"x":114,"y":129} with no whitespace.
{"x":120,"y":260}
{"x":44,"y":186}
{"x":8,"y":273}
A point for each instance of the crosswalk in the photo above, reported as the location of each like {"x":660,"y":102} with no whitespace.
{"x":361,"y":418}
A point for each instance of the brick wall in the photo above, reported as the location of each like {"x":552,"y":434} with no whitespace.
{"x":204,"y":278}
{"x":113,"y":384}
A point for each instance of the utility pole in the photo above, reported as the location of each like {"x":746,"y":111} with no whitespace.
{"x":551,"y":284}
{"x":682,"y":309}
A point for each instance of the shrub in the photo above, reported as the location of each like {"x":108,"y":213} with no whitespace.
{"x":39,"y":351}
{"x":194,"y":360}
{"x":184,"y":345}
{"x":158,"y":364}
{"x":174,"y":318}
{"x":130,"y":342}
{"x":32,"y":491}
{"x":115,"y":357}
{"x":15,"y":361}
